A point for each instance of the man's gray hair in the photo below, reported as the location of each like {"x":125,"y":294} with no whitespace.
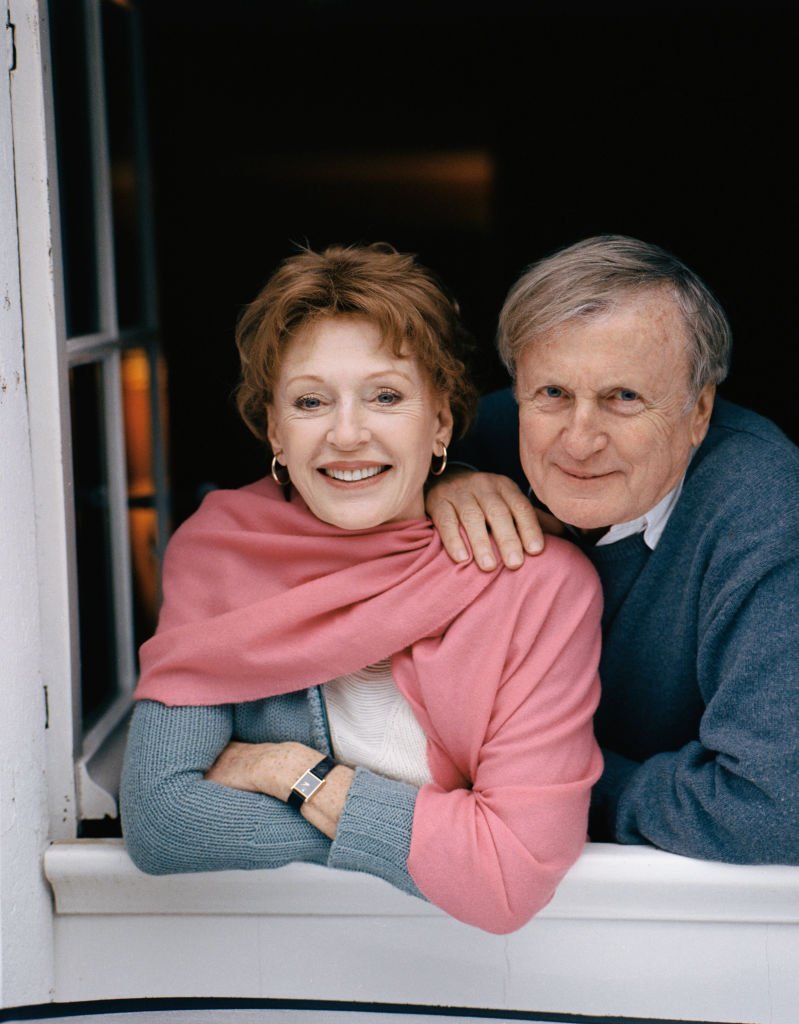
{"x":596,"y":276}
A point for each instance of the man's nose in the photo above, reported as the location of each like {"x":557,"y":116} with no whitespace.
{"x":584,"y":435}
{"x":349,"y":429}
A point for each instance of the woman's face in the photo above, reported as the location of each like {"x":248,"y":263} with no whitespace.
{"x":355,"y":425}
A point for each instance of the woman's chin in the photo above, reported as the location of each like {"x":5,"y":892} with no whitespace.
{"x":363,"y":504}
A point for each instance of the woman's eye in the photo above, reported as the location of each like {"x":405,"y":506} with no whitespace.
{"x":626,"y":395}
{"x":308,"y":402}
{"x":387,"y":397}
{"x":552,"y":391}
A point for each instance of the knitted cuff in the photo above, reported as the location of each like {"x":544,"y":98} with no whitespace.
{"x":374,"y":832}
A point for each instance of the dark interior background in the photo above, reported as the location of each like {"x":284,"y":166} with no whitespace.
{"x":478,"y":136}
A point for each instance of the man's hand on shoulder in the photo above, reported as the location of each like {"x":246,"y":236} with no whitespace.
{"x":483,"y":503}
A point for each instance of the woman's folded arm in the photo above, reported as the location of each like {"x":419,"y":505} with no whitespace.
{"x":174,"y":820}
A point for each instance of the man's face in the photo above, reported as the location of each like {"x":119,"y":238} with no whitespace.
{"x":606,"y":426}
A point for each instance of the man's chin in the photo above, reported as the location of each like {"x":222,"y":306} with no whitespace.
{"x":580,"y":518}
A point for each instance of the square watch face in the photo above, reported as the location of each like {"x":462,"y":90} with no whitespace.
{"x":308,"y":785}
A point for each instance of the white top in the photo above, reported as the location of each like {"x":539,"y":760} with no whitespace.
{"x":373,"y":726}
{"x":651,"y":524}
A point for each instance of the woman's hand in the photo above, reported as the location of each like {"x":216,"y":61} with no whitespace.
{"x":483,"y":503}
{"x":270,"y":768}
{"x":273,"y":768}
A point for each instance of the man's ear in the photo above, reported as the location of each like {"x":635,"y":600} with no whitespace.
{"x":701,"y":414}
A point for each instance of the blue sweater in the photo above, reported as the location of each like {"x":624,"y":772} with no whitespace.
{"x":174,"y":820}
{"x":699,"y":715}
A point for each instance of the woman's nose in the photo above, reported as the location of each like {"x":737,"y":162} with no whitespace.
{"x":349,"y":429}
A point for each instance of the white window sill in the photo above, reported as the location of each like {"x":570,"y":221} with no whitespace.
{"x":632,"y":932}
{"x":96,"y":876}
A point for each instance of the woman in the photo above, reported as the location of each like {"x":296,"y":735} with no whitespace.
{"x":325,"y":685}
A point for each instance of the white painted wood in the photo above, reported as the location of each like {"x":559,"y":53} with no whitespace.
{"x":632,"y":931}
{"x":608,"y":882}
{"x":48,"y":401}
{"x":99,"y":766}
{"x":121,"y":573}
{"x":96,"y":790}
{"x":26,"y":941}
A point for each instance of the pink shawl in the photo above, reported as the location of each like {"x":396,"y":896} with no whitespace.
{"x":262,"y":598}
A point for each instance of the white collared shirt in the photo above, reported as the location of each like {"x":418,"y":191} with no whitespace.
{"x":651,"y":524}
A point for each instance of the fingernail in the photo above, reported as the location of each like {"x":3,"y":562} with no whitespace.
{"x":534,"y":547}
{"x":515,"y":560}
{"x":486,"y":562}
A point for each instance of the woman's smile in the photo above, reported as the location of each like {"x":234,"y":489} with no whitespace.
{"x":355,"y":424}
{"x":353,"y":474}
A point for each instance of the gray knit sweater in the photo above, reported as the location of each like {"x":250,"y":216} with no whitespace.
{"x":174,"y":820}
{"x":699,"y":715}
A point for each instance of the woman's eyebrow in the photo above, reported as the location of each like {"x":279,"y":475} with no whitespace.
{"x":376,"y":375}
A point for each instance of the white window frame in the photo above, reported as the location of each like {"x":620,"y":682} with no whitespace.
{"x":84,"y":767}
{"x":26,"y":925}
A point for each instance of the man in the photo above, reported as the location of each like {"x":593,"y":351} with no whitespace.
{"x":688,"y":507}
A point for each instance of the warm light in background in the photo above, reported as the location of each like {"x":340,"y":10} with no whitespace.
{"x":143,"y":517}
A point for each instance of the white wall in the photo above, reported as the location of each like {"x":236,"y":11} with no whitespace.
{"x":26,"y":960}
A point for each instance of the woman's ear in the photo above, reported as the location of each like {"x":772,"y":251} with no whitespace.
{"x":445,"y":421}
{"x":272,"y":432}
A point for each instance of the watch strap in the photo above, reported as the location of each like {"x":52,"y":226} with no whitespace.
{"x":309,"y":782}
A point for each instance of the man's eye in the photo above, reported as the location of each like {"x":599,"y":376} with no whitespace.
{"x":387,"y":397}
{"x":551,"y":391}
{"x":626,"y":395}
{"x":308,"y":402}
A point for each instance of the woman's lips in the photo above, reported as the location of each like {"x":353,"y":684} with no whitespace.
{"x":353,"y":474}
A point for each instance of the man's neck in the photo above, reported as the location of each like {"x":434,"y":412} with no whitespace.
{"x":593,"y":535}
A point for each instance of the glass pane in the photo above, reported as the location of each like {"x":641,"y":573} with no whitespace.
{"x":95,"y":593}
{"x":139,"y":372}
{"x":121,"y":99}
{"x":75,"y":167}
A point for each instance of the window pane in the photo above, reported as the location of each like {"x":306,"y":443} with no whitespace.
{"x":92,"y":517}
{"x":75,"y":167}
{"x":139,"y":370}
{"x":121,"y":99}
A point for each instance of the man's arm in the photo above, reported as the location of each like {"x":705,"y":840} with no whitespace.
{"x":491,"y":503}
{"x":492,"y":442}
{"x":485,"y":506}
{"x":730,"y":795}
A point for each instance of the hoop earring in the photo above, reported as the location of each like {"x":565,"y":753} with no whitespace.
{"x":275,"y":477}
{"x":443,"y":466}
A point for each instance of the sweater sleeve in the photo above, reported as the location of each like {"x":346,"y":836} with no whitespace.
{"x":731,"y":794}
{"x":374,"y":831}
{"x":492,"y":849}
{"x":175,"y":821}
